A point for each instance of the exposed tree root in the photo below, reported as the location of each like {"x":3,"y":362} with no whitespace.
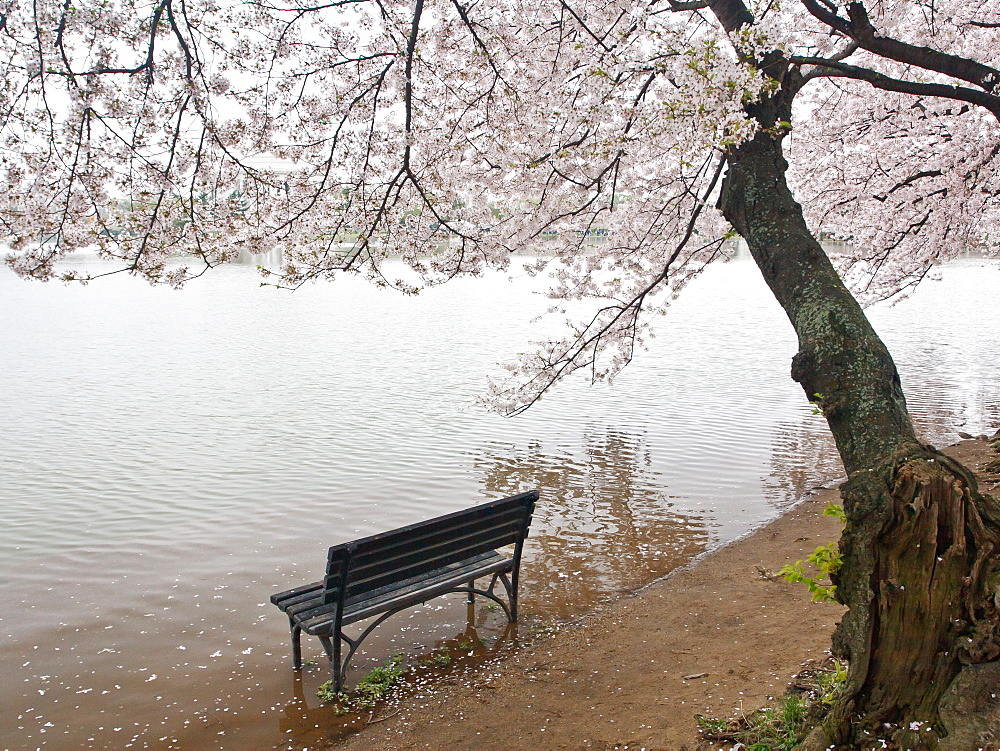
{"x":922,"y":580}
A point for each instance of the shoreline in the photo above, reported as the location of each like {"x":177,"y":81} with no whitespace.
{"x":715,"y":636}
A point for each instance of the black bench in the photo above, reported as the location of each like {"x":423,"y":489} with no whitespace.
{"x":388,"y":572}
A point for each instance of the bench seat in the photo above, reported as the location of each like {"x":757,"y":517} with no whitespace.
{"x":305,"y":604}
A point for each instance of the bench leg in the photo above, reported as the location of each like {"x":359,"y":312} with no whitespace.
{"x":471,"y":596}
{"x":296,"y":646}
{"x":511,"y":588}
{"x":332,"y":649}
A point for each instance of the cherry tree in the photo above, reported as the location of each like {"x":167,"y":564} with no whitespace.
{"x":625,"y":145}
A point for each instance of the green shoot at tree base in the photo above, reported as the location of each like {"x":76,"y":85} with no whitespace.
{"x":825,"y":559}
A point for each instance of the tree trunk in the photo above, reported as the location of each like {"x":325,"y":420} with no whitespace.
{"x":919,"y":574}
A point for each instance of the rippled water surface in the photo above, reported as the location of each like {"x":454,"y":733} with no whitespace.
{"x":172,"y":458}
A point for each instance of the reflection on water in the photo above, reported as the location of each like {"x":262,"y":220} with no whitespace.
{"x":606,"y":525}
{"x":170,"y":459}
{"x":310,"y":722}
{"x":805,"y":458}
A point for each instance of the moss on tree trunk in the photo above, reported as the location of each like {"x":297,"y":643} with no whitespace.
{"x":920,"y":572}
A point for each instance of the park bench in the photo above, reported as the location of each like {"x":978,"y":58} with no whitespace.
{"x":391,"y":571}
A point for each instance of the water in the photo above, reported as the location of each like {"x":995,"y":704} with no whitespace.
{"x":172,"y":458}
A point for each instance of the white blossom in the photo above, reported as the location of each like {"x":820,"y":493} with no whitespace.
{"x":453,"y":135}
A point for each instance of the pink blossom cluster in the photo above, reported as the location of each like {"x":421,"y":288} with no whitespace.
{"x":171,"y":137}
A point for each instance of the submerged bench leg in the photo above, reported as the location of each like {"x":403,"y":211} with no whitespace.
{"x":332,"y":649}
{"x":511,"y":588}
{"x":296,"y":646}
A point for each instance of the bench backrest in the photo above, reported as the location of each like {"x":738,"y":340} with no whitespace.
{"x":358,"y":567}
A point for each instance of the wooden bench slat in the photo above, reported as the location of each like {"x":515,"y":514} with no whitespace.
{"x":392,"y":545}
{"x":418,"y":592}
{"x":471,"y":563}
{"x":310,"y":610}
{"x":290,"y":603}
{"x":401,"y":558}
{"x":469,"y":566}
{"x":482,"y":511}
{"x":419,"y":589}
{"x":430,"y":558}
{"x":282,"y":598}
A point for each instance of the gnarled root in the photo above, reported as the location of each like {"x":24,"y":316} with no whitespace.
{"x":922,"y":582}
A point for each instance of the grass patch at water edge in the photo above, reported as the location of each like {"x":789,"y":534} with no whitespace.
{"x":785,"y":724}
{"x":371,"y":689}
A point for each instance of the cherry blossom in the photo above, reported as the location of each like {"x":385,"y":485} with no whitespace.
{"x":173,"y":137}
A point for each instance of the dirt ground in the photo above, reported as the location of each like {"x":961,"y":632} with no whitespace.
{"x":717,"y":637}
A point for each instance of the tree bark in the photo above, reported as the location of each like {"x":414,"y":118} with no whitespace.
{"x":919,"y":574}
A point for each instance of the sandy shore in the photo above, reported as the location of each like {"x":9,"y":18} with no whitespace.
{"x":717,"y":636}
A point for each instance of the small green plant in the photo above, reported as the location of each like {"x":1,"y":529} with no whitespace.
{"x":544,"y":629}
{"x":786,"y":724}
{"x":830,"y":682}
{"x":711,"y":727}
{"x":817,"y":402}
{"x":377,"y":683}
{"x":463,"y":642}
{"x":780,"y":727}
{"x":825,"y":560}
{"x":326,"y":694}
{"x":439,"y":660}
{"x":371,"y":689}
{"x":835,"y":509}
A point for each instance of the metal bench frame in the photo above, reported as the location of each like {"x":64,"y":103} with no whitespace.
{"x":385,"y":573}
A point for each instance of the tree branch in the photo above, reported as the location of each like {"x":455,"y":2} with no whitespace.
{"x":411,"y":46}
{"x":681,"y":5}
{"x":834,"y":68}
{"x":859,"y":27}
{"x":732,"y":14}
